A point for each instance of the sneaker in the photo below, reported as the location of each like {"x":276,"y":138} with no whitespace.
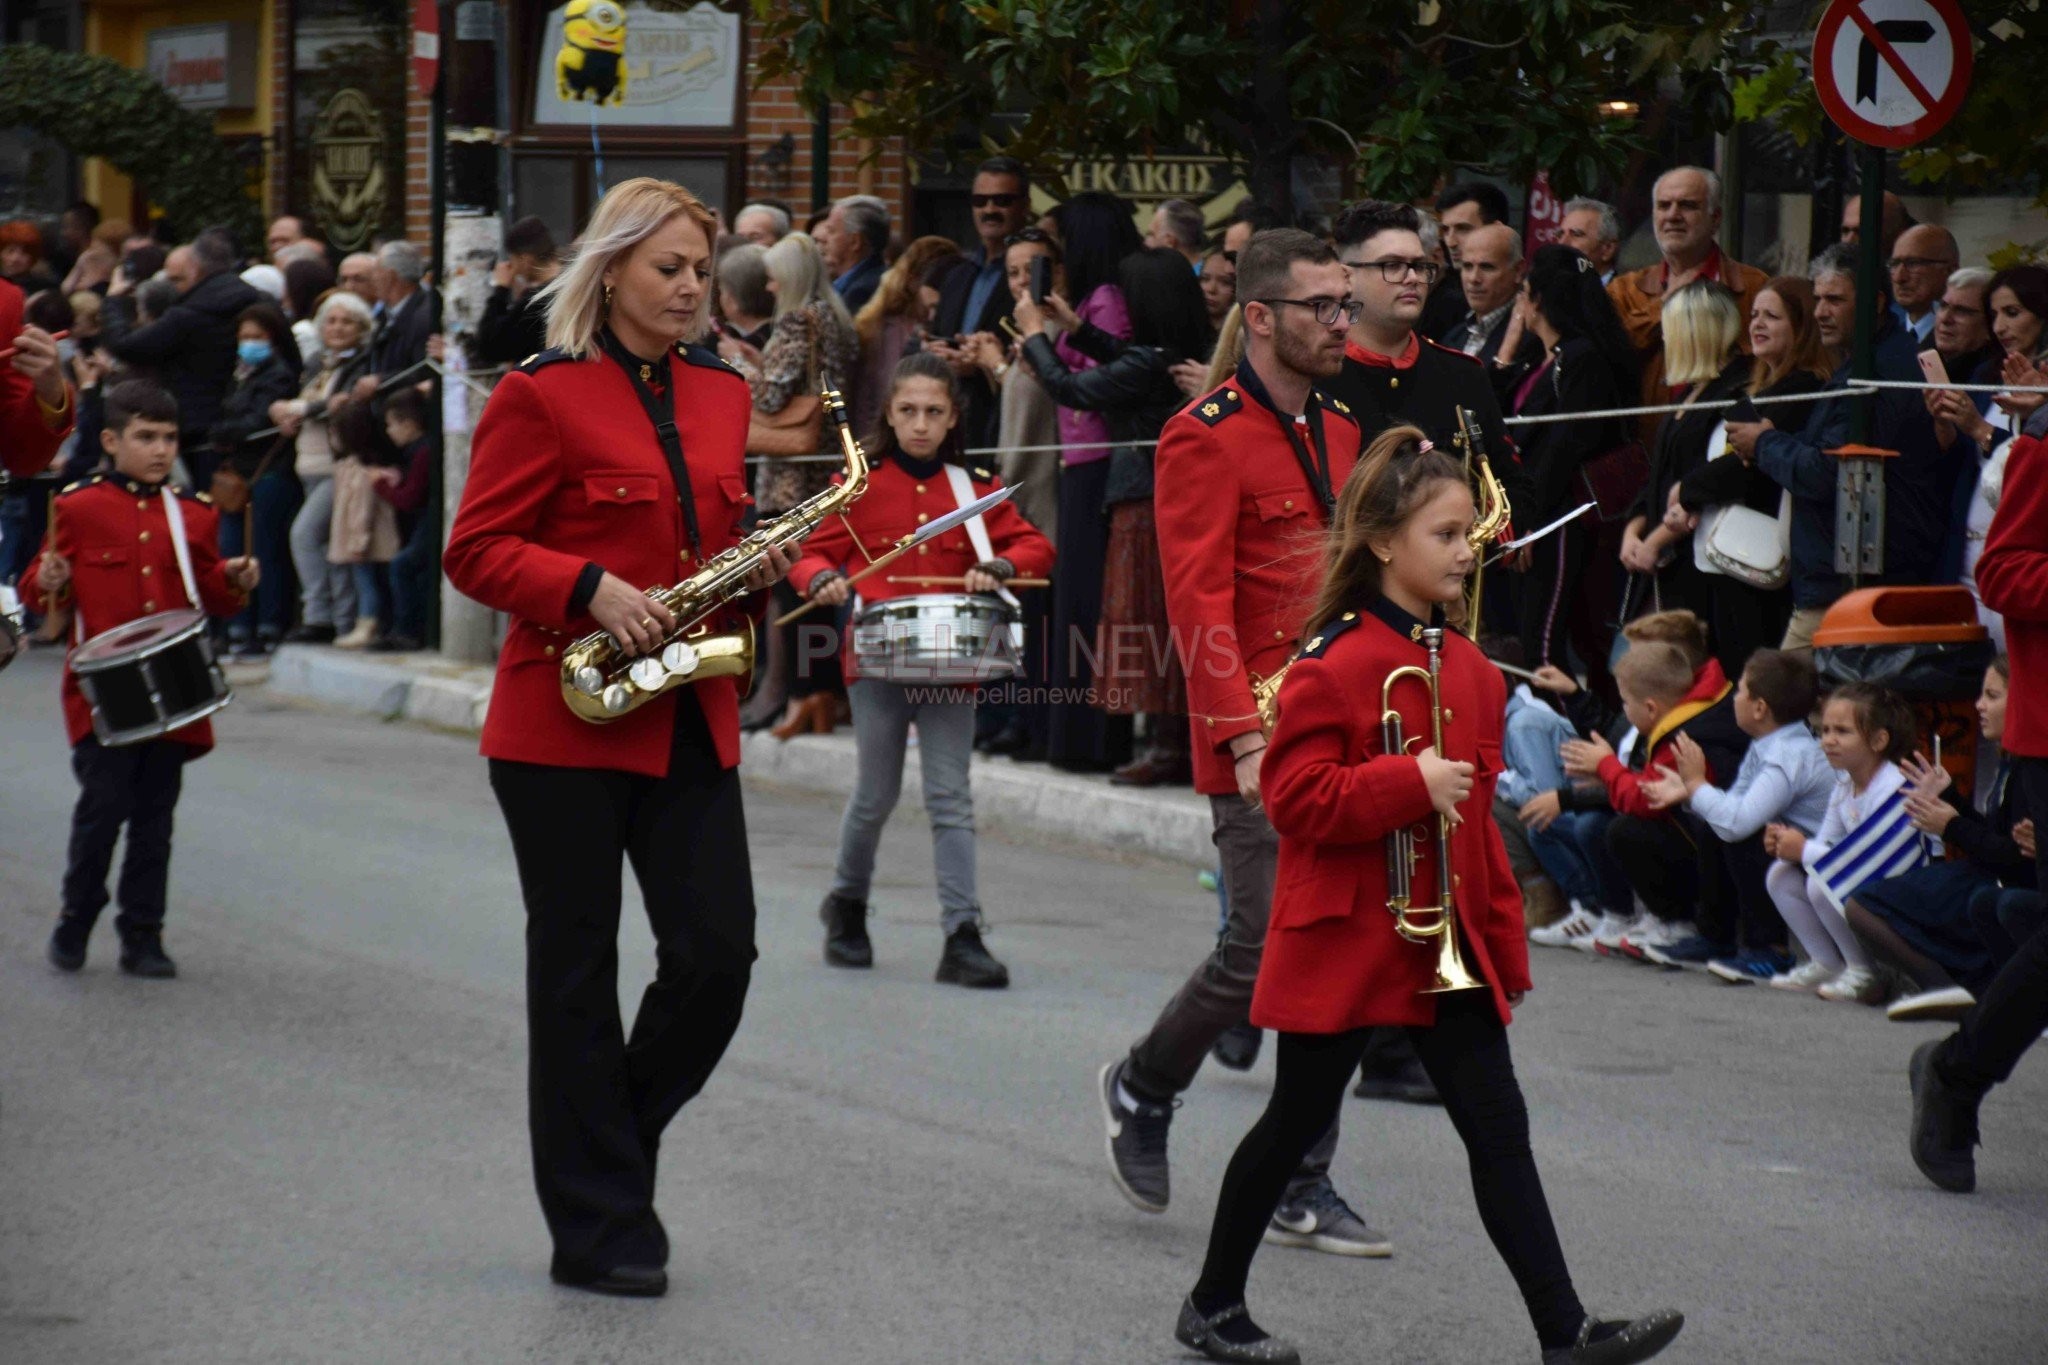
{"x":846,"y":932}
{"x":1760,"y":965}
{"x":1949,"y":1004}
{"x":1231,"y":1335}
{"x":1613,"y":928}
{"x":67,"y":943}
{"x":1650,"y":932}
{"x":1805,"y":977}
{"x":1619,"y":1341}
{"x":1322,"y":1221}
{"x":1579,"y":923}
{"x":1238,"y":1048}
{"x":1691,"y":950}
{"x":966,"y":961}
{"x":1856,"y":984}
{"x":1944,"y":1125}
{"x":1137,"y":1140}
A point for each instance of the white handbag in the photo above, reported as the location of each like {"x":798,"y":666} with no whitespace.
{"x":1740,"y":542}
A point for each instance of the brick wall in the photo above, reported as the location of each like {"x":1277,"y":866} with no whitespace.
{"x":419,"y":186}
{"x":772,"y":110}
{"x":277,"y":189}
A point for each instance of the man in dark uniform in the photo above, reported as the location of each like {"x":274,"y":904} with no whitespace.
{"x":1393,"y":376}
{"x":978,"y":300}
{"x":1248,"y":475}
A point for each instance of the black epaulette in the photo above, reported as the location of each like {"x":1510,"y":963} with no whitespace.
{"x":1218,"y":405}
{"x":84,"y":483}
{"x":190,"y":495}
{"x":1320,"y":641}
{"x":540,"y":360}
{"x":1454,"y":351}
{"x":983,"y":472}
{"x":703,"y":356}
{"x":1336,"y":405}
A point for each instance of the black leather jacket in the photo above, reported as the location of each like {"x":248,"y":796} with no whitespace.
{"x":1132,"y":388}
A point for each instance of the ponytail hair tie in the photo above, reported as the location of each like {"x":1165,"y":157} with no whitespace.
{"x":1425,"y":446}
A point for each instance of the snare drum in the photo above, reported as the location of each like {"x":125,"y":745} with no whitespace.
{"x":940,"y":637}
{"x":150,"y":677}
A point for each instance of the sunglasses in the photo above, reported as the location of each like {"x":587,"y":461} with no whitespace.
{"x":1032,"y":236}
{"x":1001,"y":201}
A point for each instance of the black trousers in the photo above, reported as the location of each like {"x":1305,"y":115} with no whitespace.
{"x":599,"y":1098}
{"x":1466,"y":1054}
{"x":2009,"y":1017}
{"x":1661,"y":861}
{"x":136,"y":785}
{"x":1079,"y":735}
{"x":1756,"y":923}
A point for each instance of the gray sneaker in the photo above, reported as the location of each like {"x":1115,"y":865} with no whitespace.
{"x":1137,"y":1141}
{"x":1322,"y":1221}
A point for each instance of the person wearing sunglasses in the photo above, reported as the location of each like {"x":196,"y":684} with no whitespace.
{"x":976,"y":300}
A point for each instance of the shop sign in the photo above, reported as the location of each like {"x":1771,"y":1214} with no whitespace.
{"x":1208,"y":182}
{"x":351,"y":188}
{"x":205,"y":66}
{"x":682,"y":70}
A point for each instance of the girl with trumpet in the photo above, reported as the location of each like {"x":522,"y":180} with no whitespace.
{"x":1336,"y":962}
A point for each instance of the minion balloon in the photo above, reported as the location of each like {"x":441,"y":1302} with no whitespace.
{"x":592,"y":62}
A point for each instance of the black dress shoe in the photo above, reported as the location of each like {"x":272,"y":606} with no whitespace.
{"x":1008,"y":740}
{"x":624,"y":1281}
{"x":144,"y":956}
{"x":1944,"y":1121}
{"x":1238,"y":1048}
{"x":310,"y":635}
{"x":67,"y":943}
{"x":968,"y":962}
{"x":393,"y":644}
{"x":846,"y":932}
{"x":1621,"y":1341}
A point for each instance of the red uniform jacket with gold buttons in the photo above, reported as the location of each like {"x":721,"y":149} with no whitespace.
{"x":124,"y":566}
{"x":1241,"y":538}
{"x":565,"y":470}
{"x":1332,"y":960}
{"x":903,"y":494}
{"x":27,"y":440}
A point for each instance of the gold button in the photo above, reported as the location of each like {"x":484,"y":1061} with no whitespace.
{"x":1351,"y":616}
{"x":684,"y":555}
{"x":922,"y":518}
{"x":1211,"y":720}
{"x":1230,"y":393}
{"x":1457,"y":880}
{"x":622,"y":492}
{"x":1448,"y":717}
{"x":141,"y":506}
{"x":149,"y":606}
{"x":924,"y":549}
{"x":920,"y":488}
{"x":145,"y":535}
{"x":1279,"y":635}
{"x":549,"y":651}
{"x":1287,"y":506}
{"x":145,"y":571}
{"x":1394,"y":383}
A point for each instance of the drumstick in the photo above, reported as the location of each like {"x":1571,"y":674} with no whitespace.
{"x":13,"y":351}
{"x":926,"y":580}
{"x":1510,"y":668}
{"x":805,"y":608}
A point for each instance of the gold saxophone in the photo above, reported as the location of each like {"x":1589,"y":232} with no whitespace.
{"x":1487,"y":526}
{"x":600,"y":683}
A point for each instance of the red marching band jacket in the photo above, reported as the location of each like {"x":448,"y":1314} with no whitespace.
{"x":1241,"y":540}
{"x":1332,"y":959}
{"x":903,"y":494}
{"x":565,"y":470}
{"x":124,"y":566}
{"x":27,"y":440}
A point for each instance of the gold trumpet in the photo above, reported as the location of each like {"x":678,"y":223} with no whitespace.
{"x":600,"y":683}
{"x":1428,"y":923}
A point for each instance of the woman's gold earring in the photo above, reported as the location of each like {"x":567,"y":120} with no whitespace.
{"x":607,"y":298}
{"x":1386,"y":559}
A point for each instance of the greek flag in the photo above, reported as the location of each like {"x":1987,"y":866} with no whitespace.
{"x":1884,"y":845}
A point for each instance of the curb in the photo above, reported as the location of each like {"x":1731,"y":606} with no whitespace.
{"x":1023,"y":800}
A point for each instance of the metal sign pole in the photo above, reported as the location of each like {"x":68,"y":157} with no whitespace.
{"x":1869,"y":253}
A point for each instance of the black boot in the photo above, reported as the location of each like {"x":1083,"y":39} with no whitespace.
{"x":1238,"y":1048}
{"x":966,"y":962}
{"x":846,"y":932}
{"x":1944,"y":1123}
{"x":67,"y":943}
{"x":143,"y":954}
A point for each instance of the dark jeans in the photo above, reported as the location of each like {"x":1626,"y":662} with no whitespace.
{"x":136,"y":785}
{"x":2004,"y":918}
{"x":1756,"y":923}
{"x":274,"y":501}
{"x":597,"y":1098}
{"x":1662,"y":864}
{"x":1573,"y":850}
{"x":1218,"y":997}
{"x":412,"y":579}
{"x":2009,"y":1016}
{"x":1466,"y":1054}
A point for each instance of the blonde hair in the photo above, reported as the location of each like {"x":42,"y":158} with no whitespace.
{"x":799,"y":274}
{"x":1655,"y":671}
{"x":1702,"y":323}
{"x":1675,"y":627}
{"x":1229,"y":348}
{"x":630,"y":212}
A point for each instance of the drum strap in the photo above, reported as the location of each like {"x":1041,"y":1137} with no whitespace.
{"x":175,"y":515}
{"x":976,"y":528}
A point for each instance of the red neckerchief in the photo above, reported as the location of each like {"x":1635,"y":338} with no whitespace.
{"x":1710,"y":271}
{"x":1403,"y":361}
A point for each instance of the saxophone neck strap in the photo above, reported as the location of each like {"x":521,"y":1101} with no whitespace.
{"x":654,"y":386}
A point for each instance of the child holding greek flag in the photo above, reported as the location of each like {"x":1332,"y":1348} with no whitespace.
{"x":1868,"y":835}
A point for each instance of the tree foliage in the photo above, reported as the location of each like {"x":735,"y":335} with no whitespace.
{"x":1512,"y":86}
{"x":96,"y":107}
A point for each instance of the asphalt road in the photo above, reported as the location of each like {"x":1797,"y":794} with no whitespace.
{"x":312,"y":1146}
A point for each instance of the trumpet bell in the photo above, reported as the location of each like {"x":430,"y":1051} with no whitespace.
{"x":1451,"y":972}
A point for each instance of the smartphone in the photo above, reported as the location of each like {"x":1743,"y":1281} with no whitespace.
{"x":1041,"y":278}
{"x":1744,"y":410}
{"x":1931,"y":366}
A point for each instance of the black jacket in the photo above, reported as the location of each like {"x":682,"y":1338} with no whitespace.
{"x":1132,"y":388}
{"x":1722,"y":482}
{"x":402,"y":340}
{"x":510,"y":329}
{"x":1987,"y":839}
{"x":980,"y":424}
{"x":192,"y":346}
{"x":1680,"y":451}
{"x":1579,"y":380}
{"x":247,"y":410}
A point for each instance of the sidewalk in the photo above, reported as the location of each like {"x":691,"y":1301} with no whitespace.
{"x":1024,"y":802}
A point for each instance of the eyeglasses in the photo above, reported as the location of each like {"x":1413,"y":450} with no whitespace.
{"x":1327,"y":311}
{"x":1394,"y":269}
{"x":1897,"y":263}
{"x":1001,"y":201}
